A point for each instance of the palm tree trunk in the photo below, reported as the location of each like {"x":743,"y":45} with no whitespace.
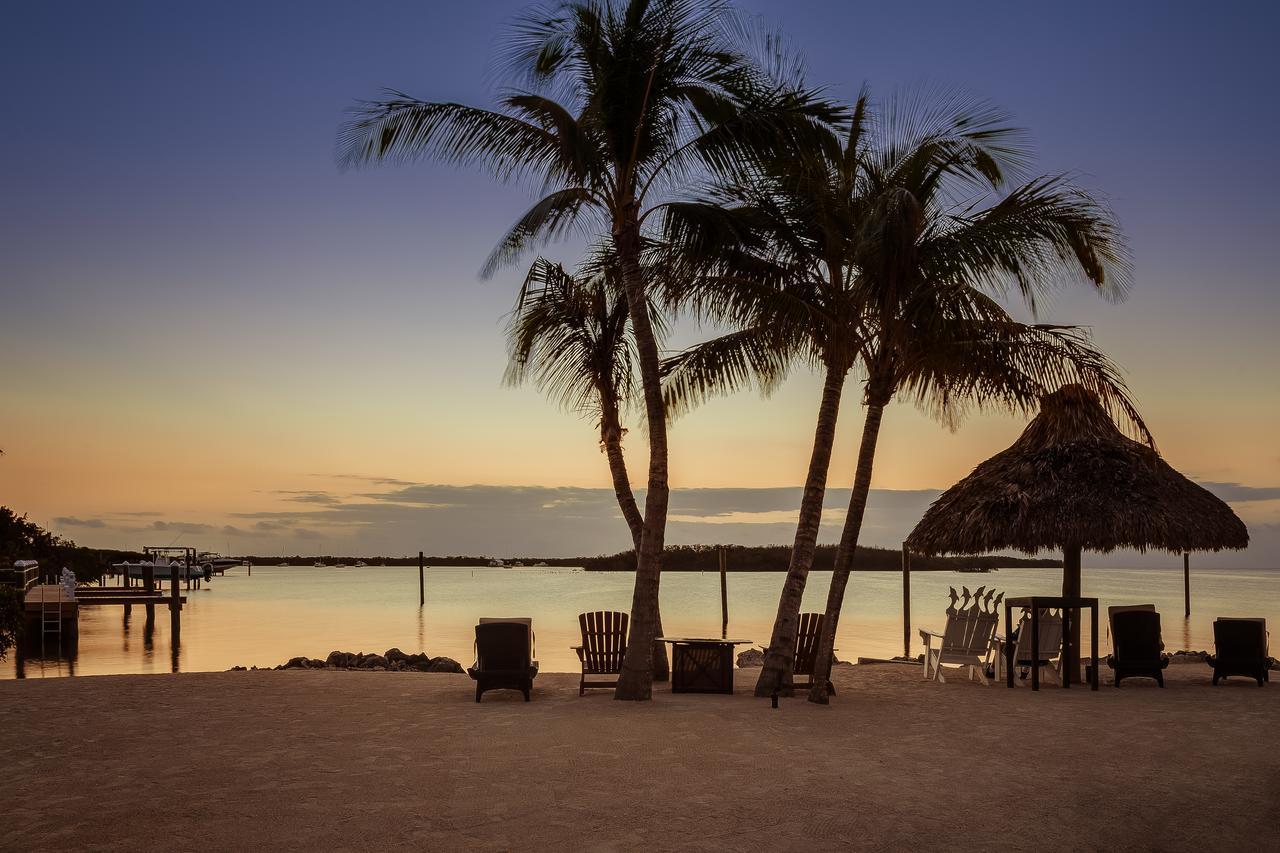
{"x":848,"y":547}
{"x":636,"y":680}
{"x":611,"y":440}
{"x":776,"y":675}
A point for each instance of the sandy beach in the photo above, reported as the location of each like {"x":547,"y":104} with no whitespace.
{"x":355,"y":761}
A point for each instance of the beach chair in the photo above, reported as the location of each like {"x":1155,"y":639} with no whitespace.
{"x":1241,"y":649}
{"x":966,"y":638}
{"x":807,"y":636}
{"x":1048,"y":657}
{"x":604,"y":643}
{"x":1138,"y":651}
{"x":504,"y":656}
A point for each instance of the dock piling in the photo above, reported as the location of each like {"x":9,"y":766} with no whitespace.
{"x":1186,"y":581}
{"x":175,"y":606}
{"x":724,"y":594}
{"x":906,"y":601}
{"x":422,"y":582}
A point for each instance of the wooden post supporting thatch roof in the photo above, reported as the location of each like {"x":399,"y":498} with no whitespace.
{"x":1074,"y":480}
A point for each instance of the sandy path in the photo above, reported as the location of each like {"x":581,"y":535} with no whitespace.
{"x":366,"y":761}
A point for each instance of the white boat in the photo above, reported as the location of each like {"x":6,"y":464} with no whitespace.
{"x":319,"y":564}
{"x":282,"y":565}
{"x":540,"y":565}
{"x":161,"y":569}
{"x":497,"y":564}
{"x":360,"y":564}
{"x":517,"y":565}
{"x":217,"y":563}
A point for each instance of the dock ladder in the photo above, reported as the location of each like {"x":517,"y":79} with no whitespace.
{"x":50,"y":617}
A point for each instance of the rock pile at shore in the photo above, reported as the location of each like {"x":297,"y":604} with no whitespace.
{"x":393,"y":660}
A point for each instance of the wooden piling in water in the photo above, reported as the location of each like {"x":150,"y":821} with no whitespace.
{"x":724,"y":594}
{"x":906,"y":601}
{"x":422,"y":583}
{"x":1186,"y":581}
{"x":175,"y":605}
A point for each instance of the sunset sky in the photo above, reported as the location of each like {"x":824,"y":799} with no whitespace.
{"x":213,"y":336}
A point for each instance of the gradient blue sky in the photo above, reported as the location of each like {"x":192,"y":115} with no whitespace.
{"x":204,"y":321}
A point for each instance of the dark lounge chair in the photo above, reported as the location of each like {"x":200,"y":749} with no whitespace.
{"x":504,"y":656}
{"x":604,"y":642}
{"x":1241,"y":646}
{"x":1137,"y":649}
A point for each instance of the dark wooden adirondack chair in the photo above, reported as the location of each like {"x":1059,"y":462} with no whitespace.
{"x":504,"y":657}
{"x":604,"y":642}
{"x":1241,"y":646}
{"x":807,"y":637}
{"x":1139,"y":651}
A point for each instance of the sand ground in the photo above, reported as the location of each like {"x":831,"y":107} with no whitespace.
{"x":375,"y":761}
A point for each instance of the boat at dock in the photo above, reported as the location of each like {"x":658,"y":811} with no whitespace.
{"x":161,"y":570}
{"x":217,"y":563}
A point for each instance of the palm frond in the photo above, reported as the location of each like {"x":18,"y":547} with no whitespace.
{"x":550,"y":217}
{"x":402,"y":128}
{"x":754,"y":357}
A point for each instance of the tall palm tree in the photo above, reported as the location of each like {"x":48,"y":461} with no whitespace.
{"x":939,"y":236}
{"x":784,"y":258}
{"x":652,"y":93}
{"x":571,"y":336}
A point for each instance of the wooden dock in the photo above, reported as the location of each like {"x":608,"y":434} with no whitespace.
{"x":48,"y":608}
{"x":52,"y":597}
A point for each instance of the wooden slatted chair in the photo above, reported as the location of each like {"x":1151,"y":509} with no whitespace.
{"x":604,"y":643}
{"x":807,"y":637}
{"x":1049,"y":656}
{"x":966,"y":638}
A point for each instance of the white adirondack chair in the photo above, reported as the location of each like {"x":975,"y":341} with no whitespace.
{"x":1050,"y":657}
{"x":966,"y":639}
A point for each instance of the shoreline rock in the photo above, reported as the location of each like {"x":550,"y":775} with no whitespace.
{"x":393,"y":660}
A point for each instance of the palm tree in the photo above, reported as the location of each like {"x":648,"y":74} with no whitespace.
{"x":571,"y":336}
{"x":653,"y":93}
{"x":938,"y":237}
{"x":784,"y":256}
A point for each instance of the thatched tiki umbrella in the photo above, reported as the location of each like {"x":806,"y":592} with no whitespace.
{"x":1073,"y":481}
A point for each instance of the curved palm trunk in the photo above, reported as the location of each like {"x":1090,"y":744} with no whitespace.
{"x":636,"y":680}
{"x":776,"y":675}
{"x":844,"y":554}
{"x":611,"y":439}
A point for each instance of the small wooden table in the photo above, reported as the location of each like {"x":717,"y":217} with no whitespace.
{"x":1067,"y":604}
{"x":702,"y":664}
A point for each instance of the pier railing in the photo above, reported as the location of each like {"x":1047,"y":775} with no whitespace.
{"x":21,"y":578}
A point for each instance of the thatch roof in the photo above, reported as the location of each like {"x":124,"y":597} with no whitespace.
{"x":1072,"y":478}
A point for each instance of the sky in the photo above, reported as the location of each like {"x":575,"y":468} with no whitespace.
{"x":213,"y":336}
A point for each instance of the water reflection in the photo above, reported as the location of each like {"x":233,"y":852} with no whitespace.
{"x":38,"y":657}
{"x":281,"y":612}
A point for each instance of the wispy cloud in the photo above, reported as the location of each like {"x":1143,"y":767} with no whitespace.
{"x":181,"y":526}
{"x":72,"y":521}
{"x":1238,"y":493}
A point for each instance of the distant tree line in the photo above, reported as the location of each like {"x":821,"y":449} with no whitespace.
{"x":694,"y":558}
{"x":775,"y":558}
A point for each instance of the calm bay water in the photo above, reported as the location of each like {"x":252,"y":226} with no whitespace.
{"x":281,"y":612}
